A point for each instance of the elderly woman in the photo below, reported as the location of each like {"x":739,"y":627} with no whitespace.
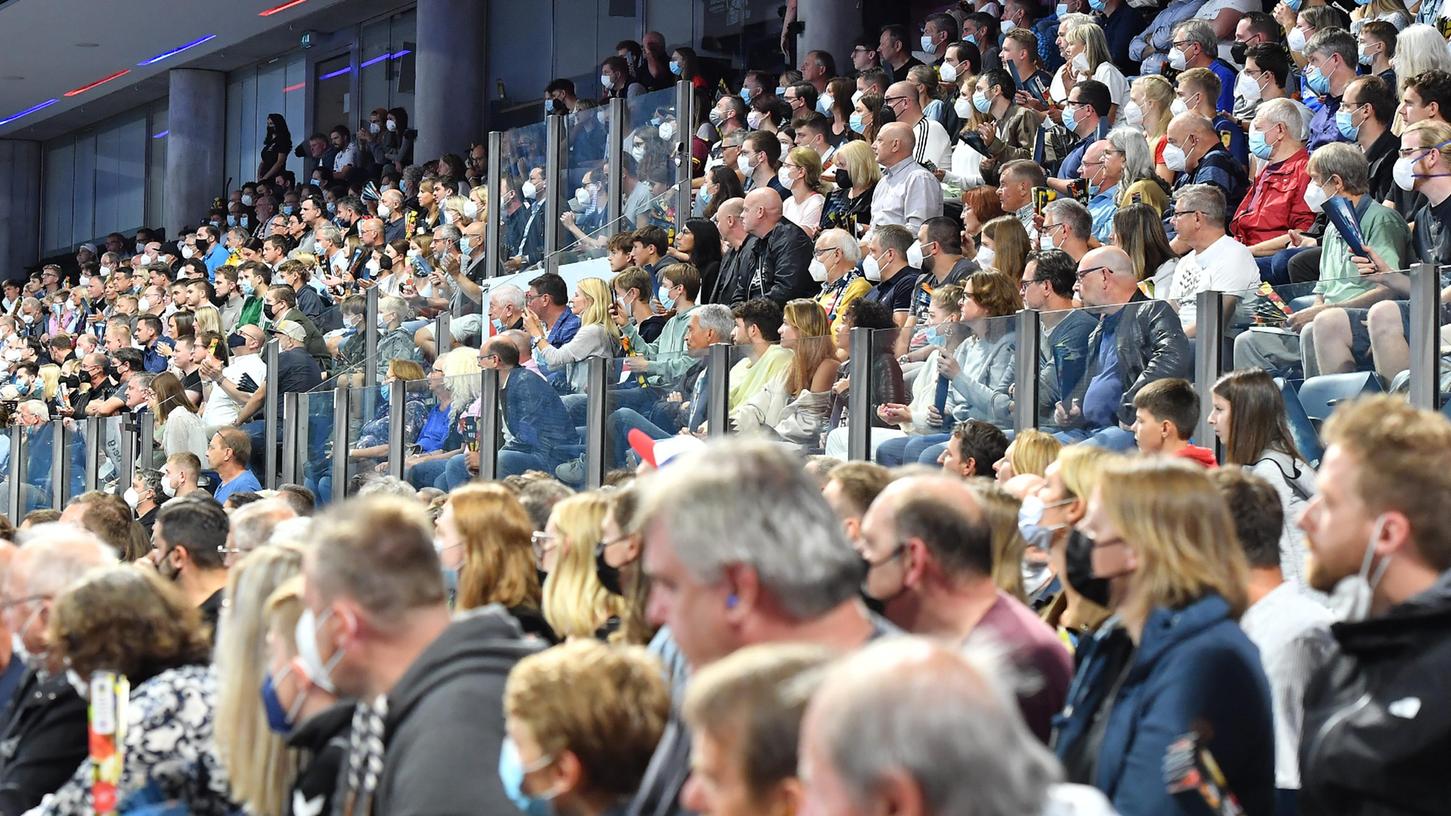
{"x":581,"y":722}
{"x":1138,"y":183}
{"x":395,"y":341}
{"x":130,"y":622}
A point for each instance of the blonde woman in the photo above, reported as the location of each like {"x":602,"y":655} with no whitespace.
{"x":1030,"y":452}
{"x":50,"y":380}
{"x":251,"y":738}
{"x":1148,"y":108}
{"x":618,"y":564}
{"x":1004,"y":246}
{"x":576,"y":604}
{"x":1066,"y":76}
{"x":849,"y":206}
{"x":598,"y":336}
{"x":484,"y":535}
{"x":320,"y":723}
{"x":1159,"y":546}
{"x":800,"y":173}
{"x":1419,"y":48}
{"x":1087,"y":55}
{"x":1049,"y":514}
{"x":455,"y":209}
{"x":207,"y":319}
{"x":1389,"y":11}
{"x":806,"y":331}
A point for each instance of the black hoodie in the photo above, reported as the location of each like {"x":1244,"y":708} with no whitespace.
{"x":445,"y":720}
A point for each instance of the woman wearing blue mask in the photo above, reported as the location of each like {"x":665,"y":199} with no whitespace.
{"x":303,"y":704}
{"x":581,"y":723}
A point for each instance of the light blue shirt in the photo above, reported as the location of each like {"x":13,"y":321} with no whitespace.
{"x":1102,"y":207}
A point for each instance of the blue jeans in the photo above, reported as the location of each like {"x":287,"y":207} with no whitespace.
{"x":1114,"y":439}
{"x":427,"y":474}
{"x":905,"y":449}
{"x":1276,"y":268}
{"x":621,"y":423}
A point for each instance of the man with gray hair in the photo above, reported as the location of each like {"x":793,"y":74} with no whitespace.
{"x":506,"y":307}
{"x":1332,"y":57}
{"x":916,"y":728}
{"x":1196,"y":46}
{"x":40,"y":746}
{"x":251,"y":525}
{"x":1067,"y":225}
{"x":1275,"y":202}
{"x":1215,"y":262}
{"x":742,"y":549}
{"x":928,"y":546}
{"x":395,"y":217}
{"x":1137,"y":341}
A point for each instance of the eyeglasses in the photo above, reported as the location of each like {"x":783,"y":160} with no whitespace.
{"x":1178,"y":213}
{"x":1026,"y":282}
{"x":1092,"y":269}
{"x":541,"y":542}
{"x":890,"y":99}
{"x":14,"y":602}
{"x":823,"y":250}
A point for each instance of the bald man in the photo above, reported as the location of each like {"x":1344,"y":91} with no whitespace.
{"x":951,"y":728}
{"x":933,"y":146}
{"x":740,"y":247}
{"x":929,"y":548}
{"x":1137,"y":341}
{"x":908,"y":193}
{"x":779,"y":266}
{"x":1205,"y":159}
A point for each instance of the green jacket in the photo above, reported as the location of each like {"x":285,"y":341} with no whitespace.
{"x":667,"y":355}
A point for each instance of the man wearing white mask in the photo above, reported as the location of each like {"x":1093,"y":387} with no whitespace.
{"x":1196,"y":154}
{"x":834,"y":266}
{"x":896,"y":280}
{"x":1197,"y":90}
{"x":1196,"y":46}
{"x":1252,"y":29}
{"x":180,"y":473}
{"x":1382,"y":552}
{"x":391,"y":210}
{"x":938,"y":253}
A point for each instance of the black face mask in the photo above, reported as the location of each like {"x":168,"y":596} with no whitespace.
{"x":1237,"y":52}
{"x":843,"y":179}
{"x":235,"y":340}
{"x":609,"y":576}
{"x":268,"y":311}
{"x":1079,"y":569}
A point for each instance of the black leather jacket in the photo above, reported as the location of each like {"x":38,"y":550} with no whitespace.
{"x":1377,"y":729}
{"x":1151,"y":346}
{"x":780,"y":269}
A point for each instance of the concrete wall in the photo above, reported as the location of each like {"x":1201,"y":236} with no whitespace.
{"x":19,"y":205}
{"x":196,"y":147}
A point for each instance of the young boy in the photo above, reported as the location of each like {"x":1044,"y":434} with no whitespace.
{"x":1165,"y":413}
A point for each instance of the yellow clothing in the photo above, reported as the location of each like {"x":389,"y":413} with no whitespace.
{"x":750,"y":376}
{"x":836,"y":299}
{"x":1149,"y":191}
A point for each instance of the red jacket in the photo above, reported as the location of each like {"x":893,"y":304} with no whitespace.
{"x":1275,"y":202}
{"x":1194,"y":453}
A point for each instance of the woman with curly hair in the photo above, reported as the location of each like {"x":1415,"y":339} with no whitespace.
{"x":130,"y":622}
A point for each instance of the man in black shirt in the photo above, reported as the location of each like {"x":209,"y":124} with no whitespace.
{"x":189,"y":543}
{"x":898,"y":280}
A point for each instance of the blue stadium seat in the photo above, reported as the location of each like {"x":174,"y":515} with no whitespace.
{"x":1307,"y":439}
{"x":1320,"y":395}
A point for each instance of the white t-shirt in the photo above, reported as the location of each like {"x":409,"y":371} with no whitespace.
{"x":1211,"y":9}
{"x":807,"y":214}
{"x":247,"y":372}
{"x":1226,"y":266}
{"x":345,"y":157}
{"x":1111,"y":76}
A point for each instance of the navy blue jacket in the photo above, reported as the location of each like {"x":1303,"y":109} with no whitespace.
{"x":1194,"y":670}
{"x":536,"y":416}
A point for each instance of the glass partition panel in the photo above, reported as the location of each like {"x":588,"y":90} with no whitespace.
{"x":523,"y":166}
{"x":35,"y":468}
{"x":317,"y":470}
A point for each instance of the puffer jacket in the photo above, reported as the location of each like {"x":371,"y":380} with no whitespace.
{"x":1377,"y":727}
{"x":1151,"y":346}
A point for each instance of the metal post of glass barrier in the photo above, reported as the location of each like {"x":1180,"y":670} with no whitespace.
{"x":597,"y":414}
{"x":302,"y":452}
{"x":1425,"y":339}
{"x":555,"y":186}
{"x":442,"y":336}
{"x":493,"y":236}
{"x":718,"y":390}
{"x":58,"y":467}
{"x":145,"y":443}
{"x":17,"y":470}
{"x":488,"y":427}
{"x":859,"y":397}
{"x":1025,"y":387}
{"x":370,"y":346}
{"x":292,"y":408}
{"x":614,"y":150}
{"x":271,"y":415}
{"x":91,"y":467}
{"x":126,"y":463}
{"x":1208,"y":357}
{"x":397,"y":445}
{"x":341,"y":399}
{"x":684,"y":131}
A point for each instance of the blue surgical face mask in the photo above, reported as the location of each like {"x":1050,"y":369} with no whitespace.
{"x":856,"y":123}
{"x":1316,"y":80}
{"x":746,"y":95}
{"x":1345,"y":123}
{"x":663,"y":295}
{"x":279,"y":719}
{"x":1061,"y":10}
{"x":511,"y":774}
{"x":1069,"y":120}
{"x":288,"y":209}
{"x":1259,"y":146}
{"x":1030,"y":522}
{"x":247,"y":287}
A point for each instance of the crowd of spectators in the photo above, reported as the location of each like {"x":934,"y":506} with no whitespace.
{"x":1106,"y":614}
